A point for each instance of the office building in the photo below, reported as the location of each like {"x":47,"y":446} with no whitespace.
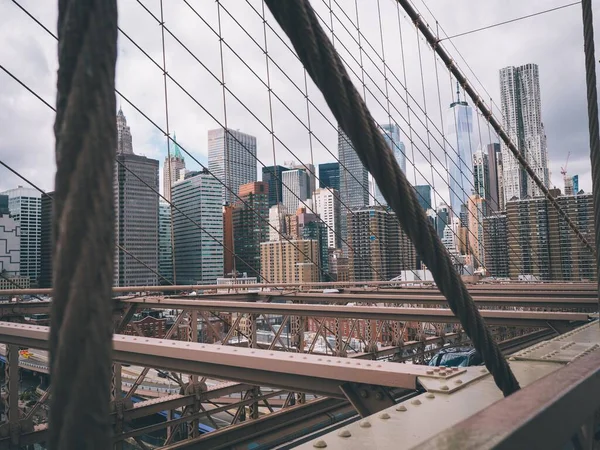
{"x":442,"y":219}
{"x":391,"y":135}
{"x":277,"y":214}
{"x":231,"y":159}
{"x":500,"y":175}
{"x":424,"y":196}
{"x":296,"y":184}
{"x":198,"y":244}
{"x":459,"y":133}
{"x":496,"y":245}
{"x":124,"y":139}
{"x":576,"y":184}
{"x":10,"y":242}
{"x":165,"y":243}
{"x":493,"y":155}
{"x":250,"y":227}
{"x":354,"y":183}
{"x":45,"y":280}
{"x":476,"y":207}
{"x":25,"y":206}
{"x":481,"y":176}
{"x":136,"y":213}
{"x":541,"y":244}
{"x":310,"y":171}
{"x":522,"y":114}
{"x":329,"y":176}
{"x":173,"y":168}
{"x":290,"y":261}
{"x":310,"y":226}
{"x":273,"y":176}
{"x":228,"y":264}
{"x":380,"y":248}
{"x":327,"y":206}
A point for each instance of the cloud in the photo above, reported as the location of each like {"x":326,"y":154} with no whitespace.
{"x":553,"y":41}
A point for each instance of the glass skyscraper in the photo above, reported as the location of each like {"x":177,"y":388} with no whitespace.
{"x":459,"y":133}
{"x":273,"y":176}
{"x":391,"y":134}
{"x":198,"y":252}
{"x":329,"y":175}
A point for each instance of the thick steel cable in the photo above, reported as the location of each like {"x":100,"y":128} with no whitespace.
{"x":83,"y":232}
{"x":300,"y":23}
{"x":592,"y":101}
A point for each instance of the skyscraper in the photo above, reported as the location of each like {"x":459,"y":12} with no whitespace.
{"x":290,"y":261}
{"x":124,"y":139}
{"x":476,"y":208}
{"x":198,"y":244}
{"x":327,"y":205}
{"x":136,"y":213}
{"x":310,"y":171}
{"x":381,"y":248}
{"x":459,"y":133}
{"x":272,"y":175}
{"x":482,"y":180}
{"x":329,"y":176}
{"x":522,"y":113}
{"x":46,"y":241}
{"x":424,"y":196}
{"x":391,"y":135}
{"x":354,"y":183}
{"x":442,"y":219}
{"x":25,"y":206}
{"x":172,"y":169}
{"x":10,"y":237}
{"x":231,"y":159}
{"x":250,"y":227}
{"x":492,"y":151}
{"x":295,"y":189}
{"x":496,"y":245}
{"x":165,"y":243}
{"x":500,"y":175}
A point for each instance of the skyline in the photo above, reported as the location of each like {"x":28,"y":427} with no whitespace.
{"x":189,"y":121}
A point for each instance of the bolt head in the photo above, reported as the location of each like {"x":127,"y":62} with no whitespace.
{"x":320,"y":444}
{"x":401,"y":408}
{"x":364,"y":424}
{"x":344,"y":433}
{"x":459,"y":381}
{"x":416,"y":402}
{"x":379,"y":396}
{"x":444,"y":388}
{"x":429,"y":372}
{"x":384,"y":416}
{"x":364,"y":393}
{"x":429,"y":395}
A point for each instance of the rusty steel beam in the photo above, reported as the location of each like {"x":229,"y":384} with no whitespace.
{"x":296,"y":372}
{"x":434,"y":315}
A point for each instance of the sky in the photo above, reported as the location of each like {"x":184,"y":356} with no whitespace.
{"x":196,"y":98}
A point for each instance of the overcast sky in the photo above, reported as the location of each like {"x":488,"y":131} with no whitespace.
{"x":553,"y":41}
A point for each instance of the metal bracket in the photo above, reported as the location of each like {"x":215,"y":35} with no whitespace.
{"x":367,"y":399}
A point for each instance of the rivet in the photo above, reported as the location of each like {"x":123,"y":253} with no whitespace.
{"x":512,"y":358}
{"x":416,"y":402}
{"x":344,"y":433}
{"x":291,"y":356}
{"x":458,"y":381}
{"x":429,"y":372}
{"x":320,"y":444}
{"x":365,"y":424}
{"x":484,"y":370}
{"x":364,"y":393}
{"x":444,"y":388}
{"x":455,"y":369}
{"x":401,"y":408}
{"x":347,"y":362}
{"x":384,"y":416}
{"x":442,"y":372}
{"x":429,"y":395}
{"x":437,"y":369}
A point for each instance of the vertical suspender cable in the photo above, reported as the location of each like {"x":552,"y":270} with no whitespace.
{"x":592,"y":101}
{"x":83,"y":226}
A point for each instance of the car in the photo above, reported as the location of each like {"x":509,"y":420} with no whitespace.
{"x":456,"y":357}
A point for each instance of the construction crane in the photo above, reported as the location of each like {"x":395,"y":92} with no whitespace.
{"x":567,"y":180}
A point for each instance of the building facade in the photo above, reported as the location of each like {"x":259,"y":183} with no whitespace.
{"x":10,"y":243}
{"x":231,"y":159}
{"x":391,"y":135}
{"x":250,"y":227}
{"x":296,"y":184}
{"x":495,"y":236}
{"x":124,"y":138}
{"x":25,"y":206}
{"x":476,"y":207}
{"x":173,"y":169}
{"x":198,"y":244}
{"x":277,"y":214}
{"x":329,"y":176}
{"x":424,"y":196}
{"x":542,"y":245}
{"x":522,"y":114}
{"x":380,"y":248}
{"x":327,"y":206}
{"x":165,"y":243}
{"x":459,"y":133}
{"x":290,"y":261}
{"x":354,"y":184}
{"x":46,"y":242}
{"x":273,"y":176}
{"x":493,"y":151}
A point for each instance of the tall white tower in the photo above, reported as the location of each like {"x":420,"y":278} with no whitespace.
{"x":522,"y":116}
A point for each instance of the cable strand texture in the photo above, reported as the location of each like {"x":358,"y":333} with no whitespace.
{"x":83,"y":231}
{"x":323,"y":64}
